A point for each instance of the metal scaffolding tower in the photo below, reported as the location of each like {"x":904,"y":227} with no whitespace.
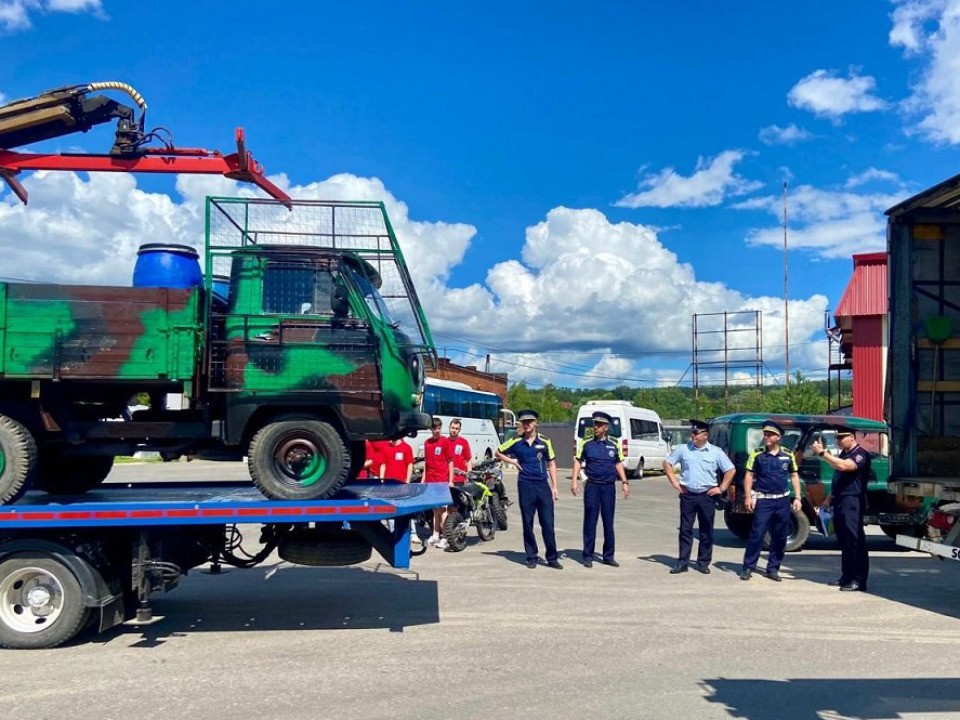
{"x":727,"y":341}
{"x":839,"y":362}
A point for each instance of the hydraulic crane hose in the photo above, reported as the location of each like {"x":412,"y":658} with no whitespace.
{"x":114,"y":85}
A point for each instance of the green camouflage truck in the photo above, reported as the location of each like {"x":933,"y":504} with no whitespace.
{"x":303,"y":339}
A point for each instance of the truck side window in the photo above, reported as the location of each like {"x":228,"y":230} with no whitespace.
{"x":296,"y":289}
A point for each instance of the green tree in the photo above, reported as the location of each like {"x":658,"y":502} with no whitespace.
{"x":800,"y":396}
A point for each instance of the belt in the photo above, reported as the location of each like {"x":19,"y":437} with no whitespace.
{"x":768,"y":496}
{"x":597,"y":481}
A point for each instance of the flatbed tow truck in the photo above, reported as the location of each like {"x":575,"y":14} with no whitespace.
{"x":89,"y":563}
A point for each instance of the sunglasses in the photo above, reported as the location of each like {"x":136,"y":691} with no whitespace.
{"x":770,"y":434}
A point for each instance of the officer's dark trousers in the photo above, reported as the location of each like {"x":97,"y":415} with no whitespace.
{"x":699,"y":507}
{"x":599,"y":500}
{"x":848,"y":524}
{"x":771,"y":514}
{"x":536,"y":498}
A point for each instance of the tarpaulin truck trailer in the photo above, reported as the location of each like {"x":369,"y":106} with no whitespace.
{"x":923,"y":365}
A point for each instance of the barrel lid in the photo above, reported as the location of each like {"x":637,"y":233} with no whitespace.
{"x":169,"y":247}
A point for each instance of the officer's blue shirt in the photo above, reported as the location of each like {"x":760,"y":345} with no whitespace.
{"x":532,"y":456}
{"x":599,"y":459}
{"x":698,"y":466}
{"x":852,"y":483}
{"x":771,"y":472}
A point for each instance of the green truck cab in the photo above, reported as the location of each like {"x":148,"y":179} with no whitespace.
{"x":305,"y":338}
{"x":740,"y":433}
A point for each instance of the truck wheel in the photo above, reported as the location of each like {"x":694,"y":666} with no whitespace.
{"x":486,"y":524}
{"x":499,"y":512}
{"x":326,"y":552}
{"x":455,"y":531}
{"x":41,"y":604}
{"x":799,"y":532}
{"x":58,"y":475}
{"x":298,"y":460}
{"x":739,"y":524}
{"x":18,"y":459}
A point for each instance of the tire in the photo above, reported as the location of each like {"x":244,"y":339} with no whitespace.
{"x":486,"y":523}
{"x":739,"y":524}
{"x":455,"y":531}
{"x":324,"y":552}
{"x":915,"y":531}
{"x":41,"y":603}
{"x":499,"y":512}
{"x":18,"y":459}
{"x":298,"y":460}
{"x":638,"y":473}
{"x":59,"y":475}
{"x":799,"y":532}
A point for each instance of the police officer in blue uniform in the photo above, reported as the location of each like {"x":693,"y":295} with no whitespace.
{"x":532,"y":454}
{"x":700,"y":464}
{"x":848,"y":495}
{"x":602,"y":460}
{"x":771,"y":471}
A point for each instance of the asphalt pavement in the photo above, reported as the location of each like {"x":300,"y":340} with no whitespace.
{"x":478,"y":635}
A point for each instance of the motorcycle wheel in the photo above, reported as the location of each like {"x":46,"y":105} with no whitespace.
{"x":422,"y":530}
{"x":455,"y":531}
{"x":486,"y":524}
{"x":499,"y":512}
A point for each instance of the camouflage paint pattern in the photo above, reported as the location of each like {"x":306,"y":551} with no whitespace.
{"x":98,"y":333}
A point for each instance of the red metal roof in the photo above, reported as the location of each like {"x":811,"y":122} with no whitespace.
{"x":866,"y":293}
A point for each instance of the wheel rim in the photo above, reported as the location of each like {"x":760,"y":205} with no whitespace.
{"x":31,"y":600}
{"x":3,"y":461}
{"x":299,"y":461}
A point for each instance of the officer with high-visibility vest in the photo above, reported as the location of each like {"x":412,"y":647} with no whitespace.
{"x":602,"y":459}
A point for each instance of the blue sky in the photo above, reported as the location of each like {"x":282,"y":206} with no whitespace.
{"x":571,"y":182}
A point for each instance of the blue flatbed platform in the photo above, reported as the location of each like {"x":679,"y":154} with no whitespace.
{"x":215,"y":504}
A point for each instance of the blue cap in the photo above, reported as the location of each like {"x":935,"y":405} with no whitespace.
{"x":602,"y":417}
{"x":527,"y":415}
{"x":771,"y":426}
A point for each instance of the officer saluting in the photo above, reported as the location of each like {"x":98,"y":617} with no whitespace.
{"x":766,"y":486}
{"x":532,"y":454}
{"x":603,"y":460}
{"x":848,"y":494}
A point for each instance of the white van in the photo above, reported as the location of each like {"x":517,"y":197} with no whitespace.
{"x":640,"y":432}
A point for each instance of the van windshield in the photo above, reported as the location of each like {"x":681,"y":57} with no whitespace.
{"x":585,"y":428}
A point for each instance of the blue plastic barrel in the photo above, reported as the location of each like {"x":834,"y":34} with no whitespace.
{"x":166,"y":265}
{"x":221,"y":288}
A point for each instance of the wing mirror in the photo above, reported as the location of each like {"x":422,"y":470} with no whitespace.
{"x":340,"y":299}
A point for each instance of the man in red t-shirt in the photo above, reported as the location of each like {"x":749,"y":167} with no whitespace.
{"x":459,"y":452}
{"x":437,"y":468}
{"x":397,"y":457}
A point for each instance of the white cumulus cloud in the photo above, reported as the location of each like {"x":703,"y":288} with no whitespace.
{"x":828,"y":223}
{"x":930,"y":30}
{"x":712,"y":181}
{"x":826,"y":94}
{"x":789,"y":135}
{"x":16,"y":14}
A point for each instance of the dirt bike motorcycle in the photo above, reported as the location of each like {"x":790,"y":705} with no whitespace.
{"x":472,"y":505}
{"x":492,"y":476}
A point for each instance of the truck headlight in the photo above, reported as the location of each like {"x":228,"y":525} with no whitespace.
{"x":416,"y":372}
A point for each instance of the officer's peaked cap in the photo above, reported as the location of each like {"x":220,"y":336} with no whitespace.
{"x":771,"y":426}
{"x":527,"y":415}
{"x":841,"y":431}
{"x":602,"y":417}
{"x":699,"y":425}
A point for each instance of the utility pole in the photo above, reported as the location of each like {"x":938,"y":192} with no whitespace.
{"x":786,"y":303}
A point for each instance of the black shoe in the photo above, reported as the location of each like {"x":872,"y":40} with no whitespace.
{"x":774,"y":575}
{"x":531,"y":563}
{"x":679,"y":568}
{"x":853,"y":587}
{"x":837,"y":583}
{"x":555,"y":564}
{"x":588,"y":562}
{"x":611,"y":562}
{"x":704,"y":568}
{"x":746,"y":574}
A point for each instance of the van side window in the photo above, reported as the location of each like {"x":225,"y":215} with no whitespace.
{"x":644,"y":429}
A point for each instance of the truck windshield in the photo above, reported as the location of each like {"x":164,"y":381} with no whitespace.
{"x":372,"y":297}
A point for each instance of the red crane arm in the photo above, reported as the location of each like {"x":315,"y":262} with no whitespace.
{"x":188,"y":161}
